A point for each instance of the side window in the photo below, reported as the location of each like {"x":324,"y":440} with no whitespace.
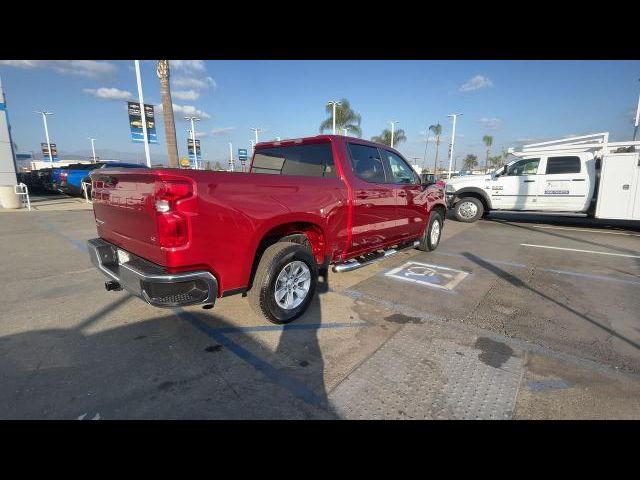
{"x":563,"y":165}
{"x":366,"y":163}
{"x":400,"y":171}
{"x":311,"y":160}
{"x":528,"y":166}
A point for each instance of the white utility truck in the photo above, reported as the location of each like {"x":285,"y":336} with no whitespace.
{"x":586,"y":174}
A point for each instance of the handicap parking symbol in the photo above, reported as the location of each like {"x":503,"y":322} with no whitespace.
{"x":436,"y":276}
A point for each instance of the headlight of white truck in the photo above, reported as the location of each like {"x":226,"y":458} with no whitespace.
{"x":449,"y":188}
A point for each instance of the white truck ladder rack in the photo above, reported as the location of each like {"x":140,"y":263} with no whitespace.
{"x":596,"y":141}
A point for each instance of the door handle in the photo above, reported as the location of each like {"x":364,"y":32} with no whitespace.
{"x":578,"y":179}
{"x":362,"y":195}
{"x":529,"y":181}
{"x":402,"y":193}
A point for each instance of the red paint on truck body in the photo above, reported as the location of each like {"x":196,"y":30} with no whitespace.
{"x":229,"y":214}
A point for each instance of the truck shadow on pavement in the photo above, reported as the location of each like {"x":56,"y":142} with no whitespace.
{"x":516,"y":282}
{"x":163,"y":367}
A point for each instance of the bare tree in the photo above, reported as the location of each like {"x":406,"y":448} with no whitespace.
{"x":167,"y":112}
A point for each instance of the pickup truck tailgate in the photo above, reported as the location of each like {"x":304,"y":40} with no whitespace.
{"x":123,"y":205}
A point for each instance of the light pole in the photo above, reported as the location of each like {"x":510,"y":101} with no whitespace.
{"x":635,"y":130}
{"x":453,"y":139}
{"x":426,"y":144}
{"x":193,"y":138}
{"x":393,"y":124}
{"x":334,"y":103}
{"x":256,"y":130}
{"x":143,"y":115}
{"x":93,"y":149}
{"x":253,"y":146}
{"x":44,"y":114}
{"x":231,"y":156}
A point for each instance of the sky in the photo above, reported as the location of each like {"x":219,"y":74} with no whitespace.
{"x":514,"y":101}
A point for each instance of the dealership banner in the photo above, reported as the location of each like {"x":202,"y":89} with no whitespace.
{"x":45,"y":151}
{"x":135,"y":123}
{"x":190,"y":150}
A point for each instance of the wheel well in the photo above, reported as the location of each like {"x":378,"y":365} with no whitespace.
{"x":479,"y":196}
{"x":300,"y":232}
{"x":441,"y":210}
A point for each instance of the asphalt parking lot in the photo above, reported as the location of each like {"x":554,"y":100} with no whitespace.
{"x":512,"y":317}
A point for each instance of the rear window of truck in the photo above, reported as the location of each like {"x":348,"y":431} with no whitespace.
{"x":311,"y":160}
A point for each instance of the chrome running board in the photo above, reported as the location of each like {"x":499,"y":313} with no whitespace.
{"x":368,"y":259}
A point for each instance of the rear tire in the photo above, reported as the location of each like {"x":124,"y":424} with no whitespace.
{"x":468,"y":209}
{"x":432,"y":234}
{"x":281,"y":270}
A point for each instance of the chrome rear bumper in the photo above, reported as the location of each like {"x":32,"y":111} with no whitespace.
{"x":150,"y":281}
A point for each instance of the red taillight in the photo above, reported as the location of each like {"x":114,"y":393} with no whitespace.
{"x":63,"y":178}
{"x":173,"y":226}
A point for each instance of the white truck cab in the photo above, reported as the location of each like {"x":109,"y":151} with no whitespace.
{"x":575,"y":175}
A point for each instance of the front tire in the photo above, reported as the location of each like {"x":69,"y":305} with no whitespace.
{"x":431,"y":236}
{"x":285,"y":282}
{"x":468,"y":209}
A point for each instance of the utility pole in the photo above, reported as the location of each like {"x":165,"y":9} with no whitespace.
{"x":193,"y":139}
{"x":253,"y":146}
{"x":143,"y":115}
{"x":231,"y":156}
{"x":393,"y":124}
{"x":44,"y":114}
{"x":256,"y":130}
{"x":453,"y":139}
{"x":334,"y":103}
{"x":93,"y":149}
{"x":426,"y":144}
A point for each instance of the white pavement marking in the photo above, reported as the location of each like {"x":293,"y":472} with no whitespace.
{"x":585,"y":230}
{"x":581,"y":251}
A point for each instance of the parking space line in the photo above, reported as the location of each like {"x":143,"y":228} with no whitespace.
{"x":295,"y":326}
{"x":580,"y":251}
{"x":550,"y":270}
{"x":550,"y":227}
{"x":294,"y":387}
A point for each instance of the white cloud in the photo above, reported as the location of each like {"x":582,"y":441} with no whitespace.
{"x":84,"y":68}
{"x":202,"y":134}
{"x":180,"y":111}
{"x":490,"y":123}
{"x":476,"y":83}
{"x":196,"y":83}
{"x":185,"y":94}
{"x":108,"y":93}
{"x":187,"y":65}
{"x":220,"y":131}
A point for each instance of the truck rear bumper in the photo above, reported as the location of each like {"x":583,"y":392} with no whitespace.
{"x":149,"y":281}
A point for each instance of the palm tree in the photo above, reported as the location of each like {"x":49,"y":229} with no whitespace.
{"x":470,"y":162}
{"x":167,"y":112}
{"x":385,"y":137}
{"x":488,"y":141}
{"x":437,"y":131}
{"x":345,"y":119}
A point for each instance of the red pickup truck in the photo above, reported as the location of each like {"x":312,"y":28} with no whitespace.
{"x":183,"y":237}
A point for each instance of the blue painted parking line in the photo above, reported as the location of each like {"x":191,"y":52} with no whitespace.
{"x":82,"y":245}
{"x":549,"y":270}
{"x":279,"y":328}
{"x":294,"y":387}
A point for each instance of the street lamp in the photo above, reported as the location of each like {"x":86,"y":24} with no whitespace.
{"x":393,"y":124}
{"x":334,"y":103}
{"x":44,"y":114}
{"x":453,"y":139}
{"x":93,"y":149}
{"x":143,"y":113}
{"x":193,"y":139}
{"x":256,"y":130}
{"x":426,"y":144}
{"x":635,"y":130}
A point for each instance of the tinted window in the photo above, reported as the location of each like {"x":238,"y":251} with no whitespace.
{"x":528,"y":166}
{"x":312,"y":160}
{"x":366,"y":163}
{"x":400,"y":171}
{"x":563,"y":165}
